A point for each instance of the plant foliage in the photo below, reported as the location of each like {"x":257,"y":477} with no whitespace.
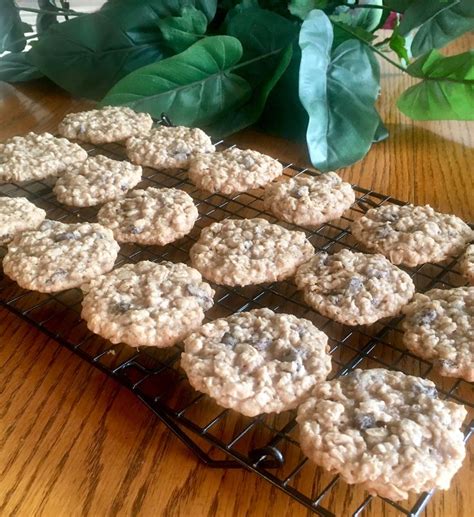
{"x":302,"y":68}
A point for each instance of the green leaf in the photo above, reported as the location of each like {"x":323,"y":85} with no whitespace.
{"x":301,"y":8}
{"x":447,"y":89}
{"x":11,"y":29}
{"x":15,"y":68}
{"x":444,"y":27}
{"x":400,"y":45}
{"x":89,"y":54}
{"x":420,"y":12}
{"x":264,"y":36}
{"x":193,"y":88}
{"x":180,"y":32}
{"x":164,"y":8}
{"x":343,"y":32}
{"x":400,"y":6}
{"x":338,"y":90}
{"x":247,"y":114}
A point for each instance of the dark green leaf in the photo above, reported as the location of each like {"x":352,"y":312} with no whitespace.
{"x":89,"y":54}
{"x":447,"y":89}
{"x":420,"y":12}
{"x":445,"y":27}
{"x":247,"y":114}
{"x":338,"y":90}
{"x":164,"y":8}
{"x":11,"y":29}
{"x":193,"y":88}
{"x":15,"y":68}
{"x":264,"y":36}
{"x":400,"y":6}
{"x":180,"y":32}
{"x":301,"y":8}
{"x":344,"y":32}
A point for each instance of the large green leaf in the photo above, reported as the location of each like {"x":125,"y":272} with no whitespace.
{"x":338,"y":90}
{"x":446,"y":26}
{"x":164,"y":8}
{"x":11,"y":29}
{"x":182,"y":31}
{"x":16,"y":68}
{"x":248,"y":113}
{"x":89,"y":54}
{"x":447,"y":89}
{"x":421,"y":11}
{"x":193,"y":88}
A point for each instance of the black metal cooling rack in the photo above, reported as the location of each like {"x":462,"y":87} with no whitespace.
{"x":268,"y":444}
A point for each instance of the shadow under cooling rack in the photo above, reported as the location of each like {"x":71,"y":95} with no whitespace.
{"x":268,"y":444}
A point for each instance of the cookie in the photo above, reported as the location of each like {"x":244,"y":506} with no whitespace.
{"x":151,"y":216}
{"x":439,"y":327}
{"x":309,"y":200}
{"x":385,"y":430}
{"x":257,"y":361}
{"x":412,"y":235}
{"x":249,"y":251}
{"x":233,"y":170}
{"x":95,"y":181}
{"x":17,"y":215}
{"x":109,"y":124}
{"x":354,"y":288}
{"x":60,"y":256}
{"x":168,"y":147}
{"x":147,"y":304}
{"x":466,"y":265}
{"x":37,"y":156}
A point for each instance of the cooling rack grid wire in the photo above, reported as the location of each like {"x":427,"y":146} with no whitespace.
{"x":266,"y":445}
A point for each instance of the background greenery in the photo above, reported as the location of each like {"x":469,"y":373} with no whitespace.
{"x":304,"y":68}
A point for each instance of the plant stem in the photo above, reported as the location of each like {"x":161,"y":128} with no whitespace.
{"x":45,"y":11}
{"x":374,"y":49}
{"x":369,"y":6}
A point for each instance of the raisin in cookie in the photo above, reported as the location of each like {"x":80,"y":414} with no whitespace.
{"x":60,"y":256}
{"x":233,"y":170}
{"x":95,"y":181}
{"x":257,"y":361}
{"x":439,"y":327}
{"x":249,"y":251}
{"x":37,"y":156}
{"x":18,"y":215}
{"x":147,"y":304}
{"x":385,"y":430}
{"x":354,"y":288}
{"x":109,"y":124}
{"x":467,"y":264}
{"x":168,"y":147}
{"x":309,"y":200}
{"x":151,"y":216}
{"x":412,"y":235}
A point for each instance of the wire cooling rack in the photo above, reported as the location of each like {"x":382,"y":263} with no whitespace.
{"x":268,"y":444}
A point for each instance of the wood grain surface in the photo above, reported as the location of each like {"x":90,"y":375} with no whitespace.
{"x":73,"y":442}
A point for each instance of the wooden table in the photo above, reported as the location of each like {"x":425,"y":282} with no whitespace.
{"x":73,"y":442}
